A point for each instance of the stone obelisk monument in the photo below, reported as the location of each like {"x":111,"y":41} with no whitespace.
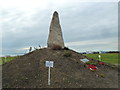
{"x":55,"y":33}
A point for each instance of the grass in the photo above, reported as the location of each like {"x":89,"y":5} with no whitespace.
{"x":106,"y":57}
{"x":8,"y":59}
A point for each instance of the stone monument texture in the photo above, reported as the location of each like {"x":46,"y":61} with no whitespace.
{"x":55,"y":32}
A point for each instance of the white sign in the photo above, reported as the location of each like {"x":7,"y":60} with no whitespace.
{"x":84,"y":60}
{"x":49,"y":63}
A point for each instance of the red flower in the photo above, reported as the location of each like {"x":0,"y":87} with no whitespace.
{"x":92,"y":67}
{"x":102,"y":63}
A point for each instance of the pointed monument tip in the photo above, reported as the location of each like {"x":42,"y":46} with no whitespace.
{"x":55,"y":13}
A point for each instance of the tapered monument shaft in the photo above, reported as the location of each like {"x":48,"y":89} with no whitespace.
{"x":55,"y":32}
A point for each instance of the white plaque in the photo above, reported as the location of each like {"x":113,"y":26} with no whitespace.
{"x":49,"y":63}
{"x":84,"y":60}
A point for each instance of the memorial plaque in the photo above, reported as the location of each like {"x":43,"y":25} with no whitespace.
{"x":49,"y":63}
{"x":84,"y":60}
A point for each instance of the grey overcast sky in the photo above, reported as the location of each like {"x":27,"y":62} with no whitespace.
{"x":87,"y":25}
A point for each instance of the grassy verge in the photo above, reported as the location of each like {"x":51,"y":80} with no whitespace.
{"x":106,"y":57}
{"x":7,"y":59}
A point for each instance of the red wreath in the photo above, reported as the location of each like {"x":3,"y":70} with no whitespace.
{"x":102,"y":63}
{"x":92,"y":67}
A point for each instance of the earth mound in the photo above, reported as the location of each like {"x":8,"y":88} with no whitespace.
{"x":29,"y":71}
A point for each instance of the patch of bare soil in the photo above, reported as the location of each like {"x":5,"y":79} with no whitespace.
{"x":29,"y":71}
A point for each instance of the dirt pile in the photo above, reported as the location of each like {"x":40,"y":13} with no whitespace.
{"x":29,"y":71}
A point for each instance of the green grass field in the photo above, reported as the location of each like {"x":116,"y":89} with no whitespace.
{"x":8,"y":59}
{"x":106,"y":57}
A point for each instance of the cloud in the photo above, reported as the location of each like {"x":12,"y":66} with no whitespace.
{"x":26,"y":23}
{"x":94,"y":42}
{"x":92,"y":23}
{"x":94,"y":45}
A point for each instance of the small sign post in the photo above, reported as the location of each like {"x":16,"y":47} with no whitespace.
{"x":49,"y":76}
{"x":49,"y":64}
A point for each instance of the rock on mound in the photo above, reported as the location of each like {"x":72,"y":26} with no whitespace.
{"x":29,"y":71}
